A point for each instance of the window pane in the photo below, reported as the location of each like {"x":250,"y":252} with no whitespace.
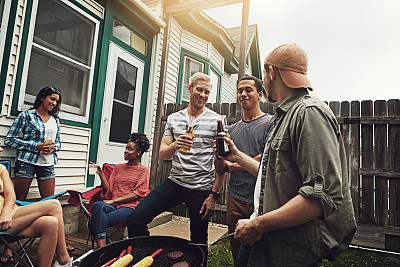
{"x":45,"y":70}
{"x":215,"y":81}
{"x":65,"y":31}
{"x":191,"y":67}
{"x":120,"y":122}
{"x":130,"y":37}
{"x":124,"y":94}
{"x":122,"y":32}
{"x":126,"y":82}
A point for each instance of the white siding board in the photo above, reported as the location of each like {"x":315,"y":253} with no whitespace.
{"x":72,"y":163}
{"x":216,"y":58}
{"x":228,"y":93}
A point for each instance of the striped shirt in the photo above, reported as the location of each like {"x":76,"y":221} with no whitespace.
{"x":195,"y":169}
{"x":30,"y":125}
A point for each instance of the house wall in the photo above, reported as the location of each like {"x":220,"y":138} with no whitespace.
{"x":181,"y":38}
{"x":73,"y":157}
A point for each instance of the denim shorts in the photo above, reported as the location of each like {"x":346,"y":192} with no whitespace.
{"x":27,"y":170}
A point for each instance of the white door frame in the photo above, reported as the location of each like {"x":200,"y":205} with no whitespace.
{"x":112,"y":152}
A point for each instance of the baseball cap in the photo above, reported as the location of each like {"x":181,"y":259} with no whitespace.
{"x":291,"y":61}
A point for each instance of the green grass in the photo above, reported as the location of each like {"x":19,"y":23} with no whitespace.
{"x":220,"y":256}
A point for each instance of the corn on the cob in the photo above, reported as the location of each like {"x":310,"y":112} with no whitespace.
{"x":122,"y":262}
{"x":146,"y":262}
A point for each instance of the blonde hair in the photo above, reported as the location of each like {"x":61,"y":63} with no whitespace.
{"x":199,"y":76}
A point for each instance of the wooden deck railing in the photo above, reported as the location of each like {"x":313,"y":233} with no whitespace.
{"x":371,"y":133}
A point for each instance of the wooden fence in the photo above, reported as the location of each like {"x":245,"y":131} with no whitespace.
{"x":371,"y":133}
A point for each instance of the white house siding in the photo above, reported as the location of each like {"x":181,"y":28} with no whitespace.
{"x":228,"y":93}
{"x":173,"y":62}
{"x":14,"y":57}
{"x":195,"y":44}
{"x":73,"y":158}
{"x":216,"y":58}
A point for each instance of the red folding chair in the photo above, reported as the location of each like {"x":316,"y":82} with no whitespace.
{"x":76,"y":198}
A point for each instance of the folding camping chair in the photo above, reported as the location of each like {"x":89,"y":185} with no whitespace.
{"x":76,"y":198}
{"x":21,"y":253}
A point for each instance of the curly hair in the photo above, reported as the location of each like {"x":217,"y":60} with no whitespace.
{"x":141,"y":141}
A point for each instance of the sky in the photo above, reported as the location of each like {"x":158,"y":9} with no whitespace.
{"x":353,"y":47}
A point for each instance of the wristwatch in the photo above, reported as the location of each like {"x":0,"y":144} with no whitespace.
{"x":215,"y":194}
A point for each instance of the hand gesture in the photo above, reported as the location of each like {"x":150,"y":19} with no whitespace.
{"x":99,"y":169}
{"x":46,"y":148}
{"x":247,"y":231}
{"x":5,"y":221}
{"x":184,"y":141}
{"x":208,"y":208}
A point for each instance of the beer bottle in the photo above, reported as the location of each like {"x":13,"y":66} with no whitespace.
{"x":222,"y":146}
{"x":189,"y":131}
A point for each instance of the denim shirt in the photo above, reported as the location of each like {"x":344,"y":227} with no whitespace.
{"x":305,"y":155}
{"x":32,"y":128}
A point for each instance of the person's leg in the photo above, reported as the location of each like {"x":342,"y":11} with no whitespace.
{"x":198,"y":228}
{"x":243,"y":256}
{"x":21,"y":186}
{"x":24,"y":173}
{"x":236,"y":210}
{"x":46,"y":180}
{"x":45,"y":227}
{"x":26,"y":215}
{"x":101,"y":212}
{"x":162,"y":198}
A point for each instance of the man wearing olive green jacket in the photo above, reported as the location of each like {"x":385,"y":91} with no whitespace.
{"x":303,"y":210}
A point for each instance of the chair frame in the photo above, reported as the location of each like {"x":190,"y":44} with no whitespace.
{"x":93,"y":197}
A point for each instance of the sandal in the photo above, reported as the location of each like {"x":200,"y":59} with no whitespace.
{"x":9,"y":259}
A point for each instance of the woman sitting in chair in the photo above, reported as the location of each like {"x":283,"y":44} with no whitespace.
{"x":127,"y":186}
{"x":41,"y":219}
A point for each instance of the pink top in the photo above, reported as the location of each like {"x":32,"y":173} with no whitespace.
{"x":125,"y":180}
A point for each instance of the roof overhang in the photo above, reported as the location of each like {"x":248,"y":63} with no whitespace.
{"x":140,"y":9}
{"x":206,"y":28}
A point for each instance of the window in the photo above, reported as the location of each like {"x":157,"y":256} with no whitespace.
{"x":215,"y":81}
{"x":130,"y":37}
{"x":191,"y":66}
{"x":62,"y":54}
{"x":190,"y":63}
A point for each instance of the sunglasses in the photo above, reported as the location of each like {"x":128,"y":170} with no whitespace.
{"x":51,"y":88}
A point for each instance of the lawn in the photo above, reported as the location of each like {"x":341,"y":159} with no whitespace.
{"x":220,"y":256}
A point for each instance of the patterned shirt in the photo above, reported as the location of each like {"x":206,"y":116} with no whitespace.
{"x":195,"y":169}
{"x":30,"y":125}
{"x":125,"y":180}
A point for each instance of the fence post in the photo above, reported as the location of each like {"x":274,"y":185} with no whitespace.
{"x":354,"y":156}
{"x":392,"y":242}
{"x":381,"y":183}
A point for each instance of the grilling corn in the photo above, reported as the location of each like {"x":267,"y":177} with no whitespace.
{"x":146,"y":262}
{"x":124,"y":261}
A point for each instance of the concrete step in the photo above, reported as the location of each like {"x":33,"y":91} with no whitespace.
{"x":160,"y":219}
{"x":179,"y":227}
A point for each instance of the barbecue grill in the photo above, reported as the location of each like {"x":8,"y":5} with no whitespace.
{"x":144,"y":246}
